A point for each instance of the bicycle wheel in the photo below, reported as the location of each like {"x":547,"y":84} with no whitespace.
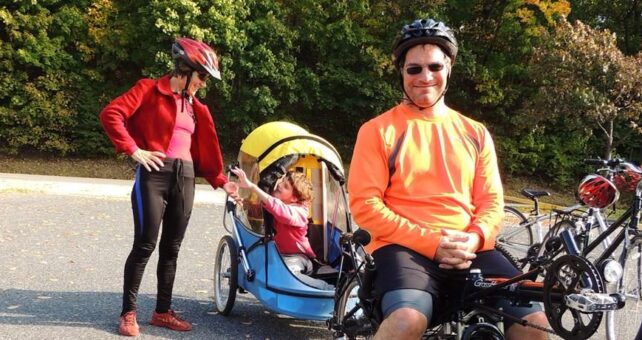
{"x":516,"y":235}
{"x":632,"y":281}
{"x":351,"y":316}
{"x":225,"y":275}
{"x":624,"y":323}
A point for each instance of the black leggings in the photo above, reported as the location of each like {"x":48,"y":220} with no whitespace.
{"x":165,"y":196}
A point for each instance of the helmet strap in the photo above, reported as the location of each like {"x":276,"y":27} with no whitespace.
{"x":184,"y":93}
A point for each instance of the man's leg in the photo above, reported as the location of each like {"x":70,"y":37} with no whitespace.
{"x":404,"y":323}
{"x":406,"y":313}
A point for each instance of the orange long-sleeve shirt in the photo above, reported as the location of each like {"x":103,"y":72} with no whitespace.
{"x":446,"y":176}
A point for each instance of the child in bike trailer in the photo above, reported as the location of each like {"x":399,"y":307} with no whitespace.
{"x":424,"y":182}
{"x":289,"y":205}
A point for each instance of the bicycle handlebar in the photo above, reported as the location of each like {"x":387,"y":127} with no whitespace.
{"x":360,"y":237}
{"x":612,"y":165}
{"x":593,"y":161}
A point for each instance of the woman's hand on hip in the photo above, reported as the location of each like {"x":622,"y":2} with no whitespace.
{"x":149,"y":159}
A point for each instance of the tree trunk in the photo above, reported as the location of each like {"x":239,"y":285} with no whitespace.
{"x":609,"y":140}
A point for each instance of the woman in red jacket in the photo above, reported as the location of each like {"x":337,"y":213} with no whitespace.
{"x":163,"y":127}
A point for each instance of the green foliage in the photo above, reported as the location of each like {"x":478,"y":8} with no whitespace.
{"x":325,"y":64}
{"x":594,"y":86}
{"x":496,"y":41}
{"x":37,"y":107}
{"x":621,"y":17}
{"x":552,"y":156}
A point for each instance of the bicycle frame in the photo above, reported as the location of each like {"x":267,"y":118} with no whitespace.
{"x":632,"y":215}
{"x":592,"y":217}
{"x":519,"y":289}
{"x":534,"y":221}
{"x":610,"y":237}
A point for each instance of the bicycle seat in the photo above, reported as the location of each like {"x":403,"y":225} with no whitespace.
{"x":532,"y":194}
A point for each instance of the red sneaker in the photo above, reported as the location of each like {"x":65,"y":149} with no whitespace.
{"x":171,"y":321}
{"x":128,"y":325}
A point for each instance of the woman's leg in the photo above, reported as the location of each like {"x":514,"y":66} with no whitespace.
{"x":148,"y":204}
{"x":177,"y":215}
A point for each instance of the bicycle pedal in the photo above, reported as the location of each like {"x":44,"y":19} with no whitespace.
{"x":589,"y":302}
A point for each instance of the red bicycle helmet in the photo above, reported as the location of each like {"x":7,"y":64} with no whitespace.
{"x":425,"y":31}
{"x":627,"y":180}
{"x":598,"y":192}
{"x":196,"y":55}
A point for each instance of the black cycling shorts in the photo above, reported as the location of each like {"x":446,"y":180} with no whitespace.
{"x":402,"y":268}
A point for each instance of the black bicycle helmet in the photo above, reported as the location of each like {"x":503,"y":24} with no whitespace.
{"x":425,"y":31}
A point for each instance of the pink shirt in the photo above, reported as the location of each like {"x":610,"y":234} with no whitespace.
{"x":181,"y":141}
{"x":291,"y":224}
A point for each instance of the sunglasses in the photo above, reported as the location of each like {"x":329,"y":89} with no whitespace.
{"x":434,"y":67}
{"x":203,"y":76}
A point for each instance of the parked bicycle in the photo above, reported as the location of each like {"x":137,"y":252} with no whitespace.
{"x":521,"y":235}
{"x":596,"y":239}
{"x":600,"y":191}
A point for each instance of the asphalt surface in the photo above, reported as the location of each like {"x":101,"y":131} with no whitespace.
{"x":63,"y":244}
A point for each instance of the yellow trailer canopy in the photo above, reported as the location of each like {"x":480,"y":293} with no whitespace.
{"x":271,"y":141}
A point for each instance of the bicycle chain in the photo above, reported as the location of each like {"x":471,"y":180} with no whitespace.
{"x":539,"y":327}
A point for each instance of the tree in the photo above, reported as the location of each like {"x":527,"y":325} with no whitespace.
{"x":624,"y":17}
{"x":584,"y":77}
{"x":38,"y":75}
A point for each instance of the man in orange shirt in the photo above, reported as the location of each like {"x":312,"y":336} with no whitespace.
{"x":424,"y":182}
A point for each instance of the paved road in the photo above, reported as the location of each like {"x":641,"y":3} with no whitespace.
{"x":62,"y":261}
{"x":63,"y":242}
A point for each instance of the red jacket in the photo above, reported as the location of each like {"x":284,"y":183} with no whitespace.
{"x":144,"y":117}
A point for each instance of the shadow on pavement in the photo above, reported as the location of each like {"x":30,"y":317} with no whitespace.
{"x":100,"y":311}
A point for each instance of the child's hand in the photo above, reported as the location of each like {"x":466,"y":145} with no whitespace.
{"x":243,"y":181}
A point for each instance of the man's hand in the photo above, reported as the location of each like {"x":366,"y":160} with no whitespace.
{"x":149,"y":159}
{"x":456,"y":249}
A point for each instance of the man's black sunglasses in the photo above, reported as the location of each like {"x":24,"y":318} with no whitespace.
{"x":416,"y":69}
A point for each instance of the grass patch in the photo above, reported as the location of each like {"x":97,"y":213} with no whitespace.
{"x":115,"y":168}
{"x":559,"y":196}
{"x":122,"y":167}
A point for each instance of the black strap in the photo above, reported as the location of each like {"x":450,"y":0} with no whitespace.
{"x":393,"y":157}
{"x":287,"y":139}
